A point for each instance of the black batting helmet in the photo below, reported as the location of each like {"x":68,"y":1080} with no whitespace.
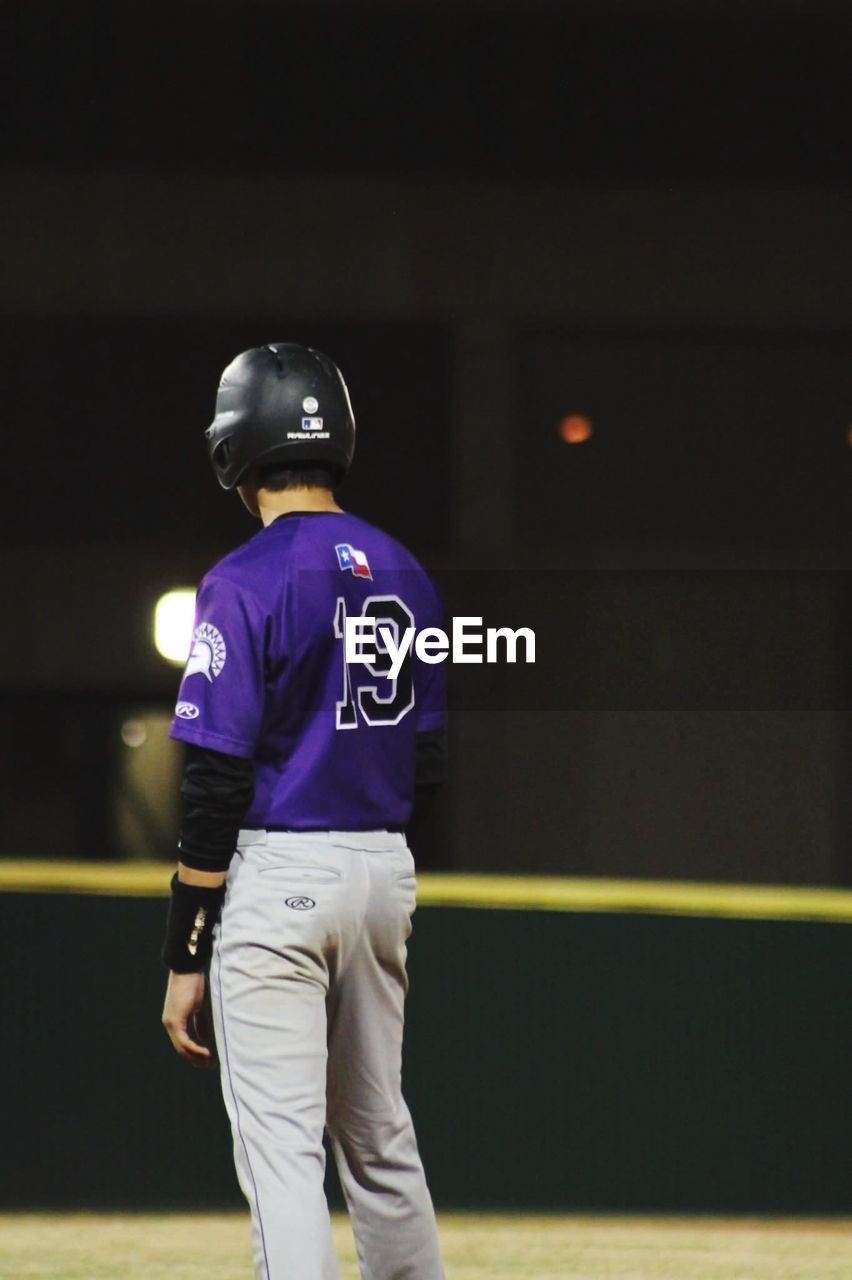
{"x":281,"y":403}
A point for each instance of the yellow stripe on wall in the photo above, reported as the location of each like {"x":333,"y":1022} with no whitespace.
{"x":114,"y":879}
{"x":528,"y":893}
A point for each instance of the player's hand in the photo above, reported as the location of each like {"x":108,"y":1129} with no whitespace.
{"x":187,"y":1008}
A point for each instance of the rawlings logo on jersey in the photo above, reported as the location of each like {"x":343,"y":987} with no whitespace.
{"x":187,"y":711}
{"x":208,"y":653}
{"x":355,"y":561}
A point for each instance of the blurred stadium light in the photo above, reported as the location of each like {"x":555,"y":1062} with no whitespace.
{"x":173,"y":615}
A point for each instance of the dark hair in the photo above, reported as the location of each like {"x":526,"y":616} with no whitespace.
{"x":277,"y":476}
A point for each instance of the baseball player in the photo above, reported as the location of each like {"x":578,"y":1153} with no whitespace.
{"x":298,"y":789}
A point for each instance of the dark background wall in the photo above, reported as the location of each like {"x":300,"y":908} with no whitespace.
{"x":492,"y":216}
{"x":666,"y":1064}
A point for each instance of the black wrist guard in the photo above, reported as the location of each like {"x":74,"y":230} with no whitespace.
{"x":193,"y":911}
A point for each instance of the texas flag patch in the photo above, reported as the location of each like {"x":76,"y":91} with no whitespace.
{"x":349,"y":558}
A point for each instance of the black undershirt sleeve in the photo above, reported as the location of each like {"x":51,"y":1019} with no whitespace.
{"x":215,"y":793}
{"x":431,"y":757}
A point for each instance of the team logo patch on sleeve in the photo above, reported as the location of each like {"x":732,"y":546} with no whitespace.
{"x":355,"y":561}
{"x":208,"y":653}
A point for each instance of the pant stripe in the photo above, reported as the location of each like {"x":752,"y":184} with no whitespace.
{"x":237,"y":1108}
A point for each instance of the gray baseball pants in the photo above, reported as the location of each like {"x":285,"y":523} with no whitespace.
{"x":307,"y":985}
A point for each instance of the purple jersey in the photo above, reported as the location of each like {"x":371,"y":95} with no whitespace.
{"x":332,"y":743}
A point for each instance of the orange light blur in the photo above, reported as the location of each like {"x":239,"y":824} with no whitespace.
{"x":575,"y":429}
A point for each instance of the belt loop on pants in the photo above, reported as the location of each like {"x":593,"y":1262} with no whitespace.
{"x":247,"y":837}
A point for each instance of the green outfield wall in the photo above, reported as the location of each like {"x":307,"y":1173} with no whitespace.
{"x":571,"y":1045}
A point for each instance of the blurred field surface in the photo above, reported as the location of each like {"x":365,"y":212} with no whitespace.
{"x":215,"y":1247}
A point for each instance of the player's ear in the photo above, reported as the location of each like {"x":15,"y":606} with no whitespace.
{"x":248,"y":492}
